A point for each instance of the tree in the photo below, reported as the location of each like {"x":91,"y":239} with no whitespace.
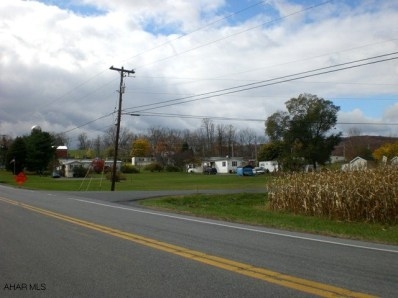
{"x":98,"y":165}
{"x":270,"y":151}
{"x":16,"y":156}
{"x":84,"y":143}
{"x":60,"y":139}
{"x":305,"y":129}
{"x":40,"y":150}
{"x":388,"y":150}
{"x":208,"y":132}
{"x":125,"y":140}
{"x":140,"y":148}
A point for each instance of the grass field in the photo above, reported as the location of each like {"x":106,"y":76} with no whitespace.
{"x":248,"y":208}
{"x":142,"y":181}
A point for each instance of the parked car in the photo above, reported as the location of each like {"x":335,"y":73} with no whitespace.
{"x":245,"y":171}
{"x":56,"y":174}
{"x":210,"y":171}
{"x":258,"y":171}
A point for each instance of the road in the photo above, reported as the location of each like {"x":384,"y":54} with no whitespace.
{"x":87,"y":244}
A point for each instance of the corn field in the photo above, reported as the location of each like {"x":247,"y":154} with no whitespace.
{"x":363,"y":196}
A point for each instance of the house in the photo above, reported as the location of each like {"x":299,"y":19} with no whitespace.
{"x":358,"y":163}
{"x":67,"y":166}
{"x":394,"y":161}
{"x":142,"y":161}
{"x":270,"y":165}
{"x":336,"y":159}
{"x":223,"y":165}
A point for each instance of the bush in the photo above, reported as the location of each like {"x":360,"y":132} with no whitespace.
{"x":154,"y":167}
{"x":362,"y":196}
{"x":79,"y":172}
{"x":171,"y":168}
{"x":129,"y":169}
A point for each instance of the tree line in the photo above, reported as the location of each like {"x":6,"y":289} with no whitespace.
{"x":302,"y":134}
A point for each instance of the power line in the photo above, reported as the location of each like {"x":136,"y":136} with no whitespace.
{"x":246,"y":87}
{"x":198,"y":29}
{"x":264,"y":83}
{"x":201,"y":117}
{"x":147,"y":51}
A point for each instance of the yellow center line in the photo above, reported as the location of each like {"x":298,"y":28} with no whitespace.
{"x":296,"y":283}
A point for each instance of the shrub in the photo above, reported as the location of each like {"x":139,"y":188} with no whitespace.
{"x":154,"y":167}
{"x":171,"y":168}
{"x":129,"y":169}
{"x":367,"y":195}
{"x":79,"y":172}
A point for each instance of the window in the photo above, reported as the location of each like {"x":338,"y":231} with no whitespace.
{"x":224,"y":164}
{"x":234,"y":163}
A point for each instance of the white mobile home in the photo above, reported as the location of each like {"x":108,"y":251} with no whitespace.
{"x":223,"y":165}
{"x":270,"y":165}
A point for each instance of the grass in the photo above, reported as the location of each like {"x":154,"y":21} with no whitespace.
{"x":253,"y":209}
{"x":142,"y":181}
{"x":248,"y":208}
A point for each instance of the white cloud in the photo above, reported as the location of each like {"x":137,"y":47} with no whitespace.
{"x":54,"y":63}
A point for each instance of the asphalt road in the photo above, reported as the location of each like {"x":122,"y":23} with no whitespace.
{"x":87,"y":244}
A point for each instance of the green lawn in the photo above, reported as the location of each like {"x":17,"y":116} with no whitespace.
{"x":252,"y":209}
{"x":142,"y":181}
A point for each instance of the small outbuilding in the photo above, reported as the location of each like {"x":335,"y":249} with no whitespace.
{"x":358,"y":163}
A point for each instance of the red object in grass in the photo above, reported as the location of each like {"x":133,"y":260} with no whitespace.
{"x":21,"y":178}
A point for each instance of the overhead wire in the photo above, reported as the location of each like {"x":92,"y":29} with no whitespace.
{"x":231,"y":90}
{"x":138,"y":110}
{"x":192,"y":49}
{"x":173,"y":115}
{"x":263,"y":83}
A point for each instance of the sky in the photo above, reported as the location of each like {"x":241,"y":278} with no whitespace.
{"x":234,"y":62}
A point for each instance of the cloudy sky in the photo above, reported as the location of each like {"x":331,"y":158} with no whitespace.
{"x":233,"y":61}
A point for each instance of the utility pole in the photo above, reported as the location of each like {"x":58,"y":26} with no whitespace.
{"x":123,"y":72}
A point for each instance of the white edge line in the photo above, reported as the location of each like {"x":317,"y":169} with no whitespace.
{"x":236,"y":227}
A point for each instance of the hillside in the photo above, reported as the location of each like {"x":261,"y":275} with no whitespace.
{"x":363,"y":146}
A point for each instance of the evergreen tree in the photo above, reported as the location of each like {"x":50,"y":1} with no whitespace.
{"x":40,"y":150}
{"x":16,"y":156}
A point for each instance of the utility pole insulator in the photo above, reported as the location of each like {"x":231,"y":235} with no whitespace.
{"x":122,"y":87}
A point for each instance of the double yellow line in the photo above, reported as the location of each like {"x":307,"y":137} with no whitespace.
{"x":299,"y":284}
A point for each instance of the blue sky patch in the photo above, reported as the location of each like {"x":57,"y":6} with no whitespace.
{"x":75,"y":7}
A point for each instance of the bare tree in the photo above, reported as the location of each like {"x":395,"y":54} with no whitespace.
{"x":231,"y":139}
{"x":60,"y":139}
{"x":208,"y":132}
{"x":354,"y":131}
{"x":247,"y":140}
{"x":83,"y":140}
{"x":221,"y":138}
{"x":126,"y":138}
{"x":97,"y":146}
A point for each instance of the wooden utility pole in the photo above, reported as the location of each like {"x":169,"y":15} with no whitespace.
{"x":123,"y":73}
